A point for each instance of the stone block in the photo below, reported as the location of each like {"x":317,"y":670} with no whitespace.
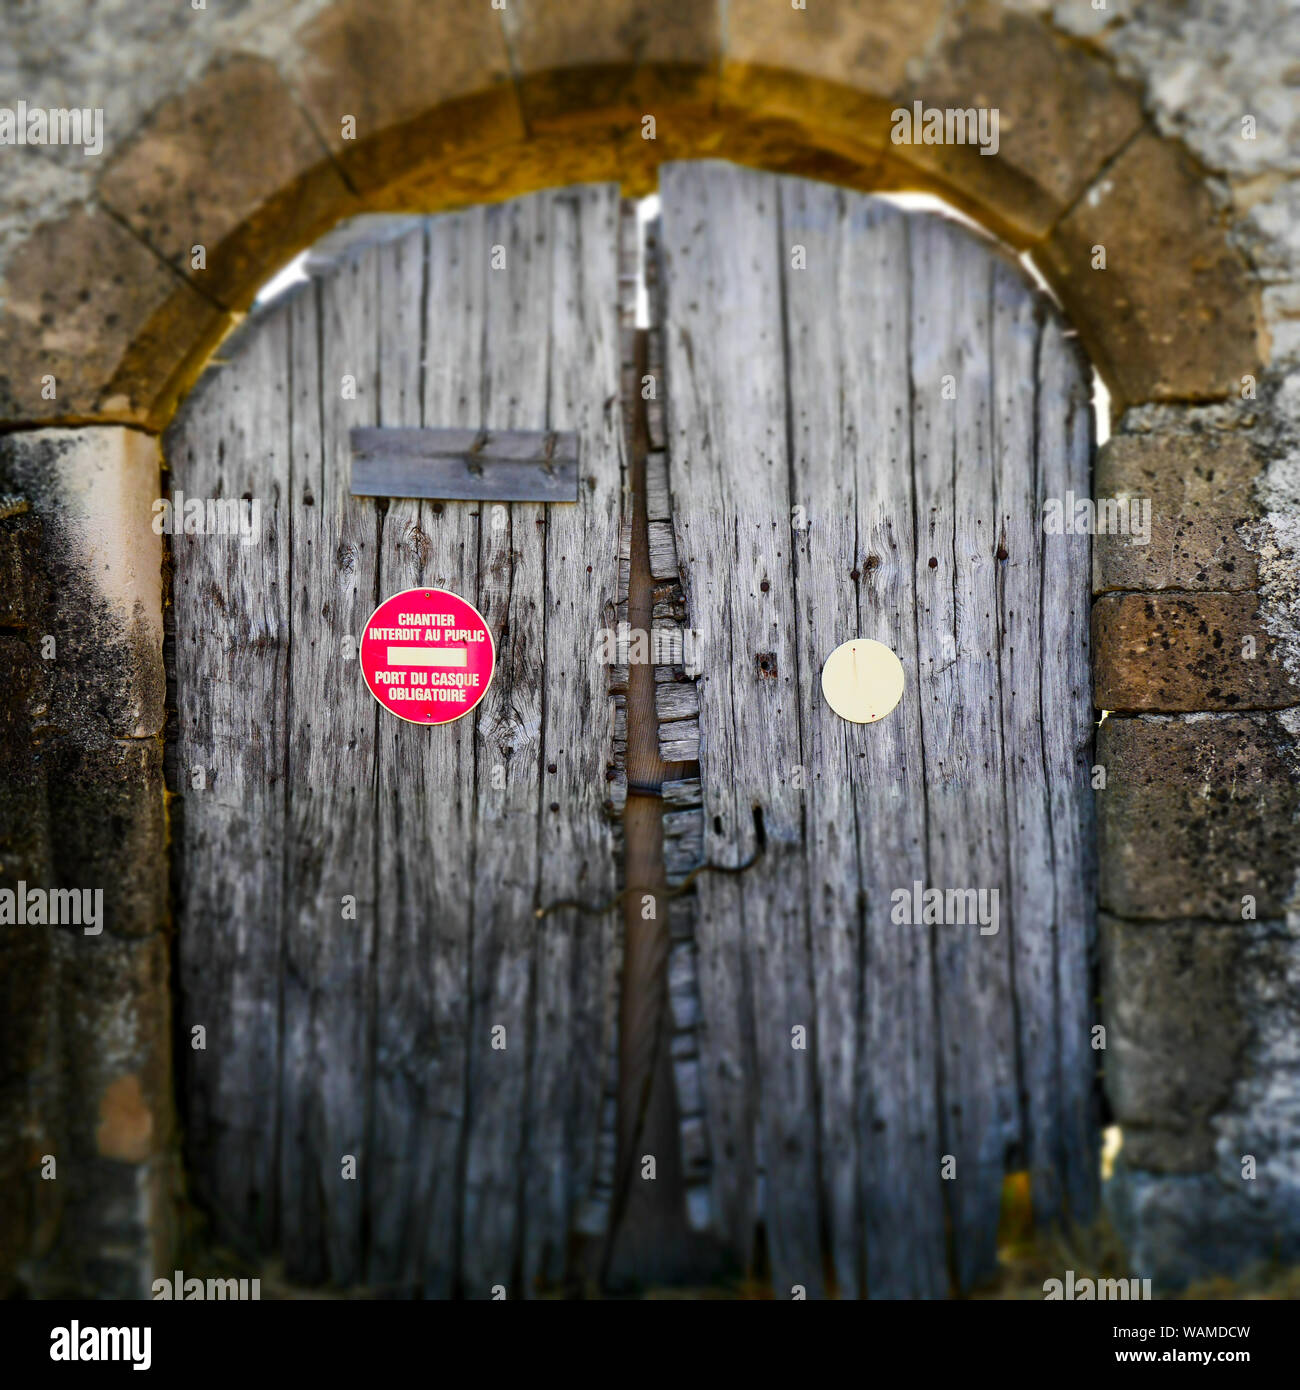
{"x":412,"y":75}
{"x":857,"y":55}
{"x":1187,"y":553}
{"x":109,"y":826}
{"x":639,"y":57}
{"x":1174,"y":314}
{"x":1186,"y":652}
{"x":94,"y":490}
{"x":20,"y":544}
{"x":1064,"y":115}
{"x":1174,"y":1034}
{"x":89,"y":305}
{"x":1178,"y":1228}
{"x":1197,"y":813}
{"x":115,"y":1015}
{"x":231,"y":165}
{"x":1208,"y":473}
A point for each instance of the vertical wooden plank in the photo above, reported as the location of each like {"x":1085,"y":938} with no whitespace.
{"x":575,"y":951}
{"x":957,"y":674}
{"x":405,"y":1016}
{"x":823,"y":530}
{"x":1016,"y":327}
{"x":232,"y":633}
{"x":866,"y":799}
{"x":329,"y":842}
{"x":729,"y":471}
{"x":508,"y":789}
{"x":430,"y":347}
{"x":452,"y":389}
{"x":301,"y":1239}
{"x":896,"y":1111}
{"x":1064,"y":459}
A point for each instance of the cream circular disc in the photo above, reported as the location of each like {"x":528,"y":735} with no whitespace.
{"x":862,"y":680}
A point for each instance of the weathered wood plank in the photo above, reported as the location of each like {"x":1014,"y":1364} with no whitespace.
{"x":680,"y":742}
{"x":1065,"y":451}
{"x":403,"y":920}
{"x":681,"y":793}
{"x":823,"y":541}
{"x":655,"y":412}
{"x":425,"y":783}
{"x":465,"y":464}
{"x":723,"y":269}
{"x":1029,"y":905}
{"x":957,"y":672}
{"x":451,"y":391}
{"x":675,"y":700}
{"x":849,"y":404}
{"x":663,"y":553}
{"x":435,"y":443}
{"x":658,"y":504}
{"x":509,"y":787}
{"x":683,"y":842}
{"x":577,"y":953}
{"x":232,"y":632}
{"x":901,"y":1192}
{"x":329,"y":848}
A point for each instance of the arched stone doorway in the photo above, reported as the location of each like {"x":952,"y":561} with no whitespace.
{"x":101,"y":297}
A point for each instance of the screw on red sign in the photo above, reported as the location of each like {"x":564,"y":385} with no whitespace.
{"x":427,"y":656}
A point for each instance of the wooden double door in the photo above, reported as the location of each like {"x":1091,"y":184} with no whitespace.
{"x":395,"y":1073}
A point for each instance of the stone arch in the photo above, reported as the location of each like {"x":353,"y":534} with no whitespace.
{"x":252,"y":161}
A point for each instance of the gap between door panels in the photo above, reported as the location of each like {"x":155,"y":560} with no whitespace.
{"x":660,"y":1229}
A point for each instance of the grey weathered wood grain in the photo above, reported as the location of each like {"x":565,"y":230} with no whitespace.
{"x":850,"y":408}
{"x":682,"y":792}
{"x":723,"y":267}
{"x":509,"y":769}
{"x":233,"y":633}
{"x":1065,"y":451}
{"x":577,"y":953}
{"x":957,"y":672}
{"x":655,"y":365}
{"x":921,"y":1041}
{"x":901,"y":1193}
{"x":675,"y":700}
{"x":1016,"y":339}
{"x":679,"y":742}
{"x":824,"y":486}
{"x":480,"y":465}
{"x":658,"y":505}
{"x":330,"y":836}
{"x":663,"y":555}
{"x":683,"y":842}
{"x":425,"y":787}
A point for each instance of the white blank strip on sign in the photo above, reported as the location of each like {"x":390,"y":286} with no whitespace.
{"x":428,"y":656}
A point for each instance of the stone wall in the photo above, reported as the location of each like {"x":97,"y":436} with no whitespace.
{"x":85,"y":1045}
{"x":1165,"y":133}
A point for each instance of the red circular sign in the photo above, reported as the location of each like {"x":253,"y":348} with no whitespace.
{"x":427,"y":656}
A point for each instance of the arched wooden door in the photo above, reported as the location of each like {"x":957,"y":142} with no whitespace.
{"x":867,"y":410}
{"x":356,"y":897}
{"x":406,"y":1077}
